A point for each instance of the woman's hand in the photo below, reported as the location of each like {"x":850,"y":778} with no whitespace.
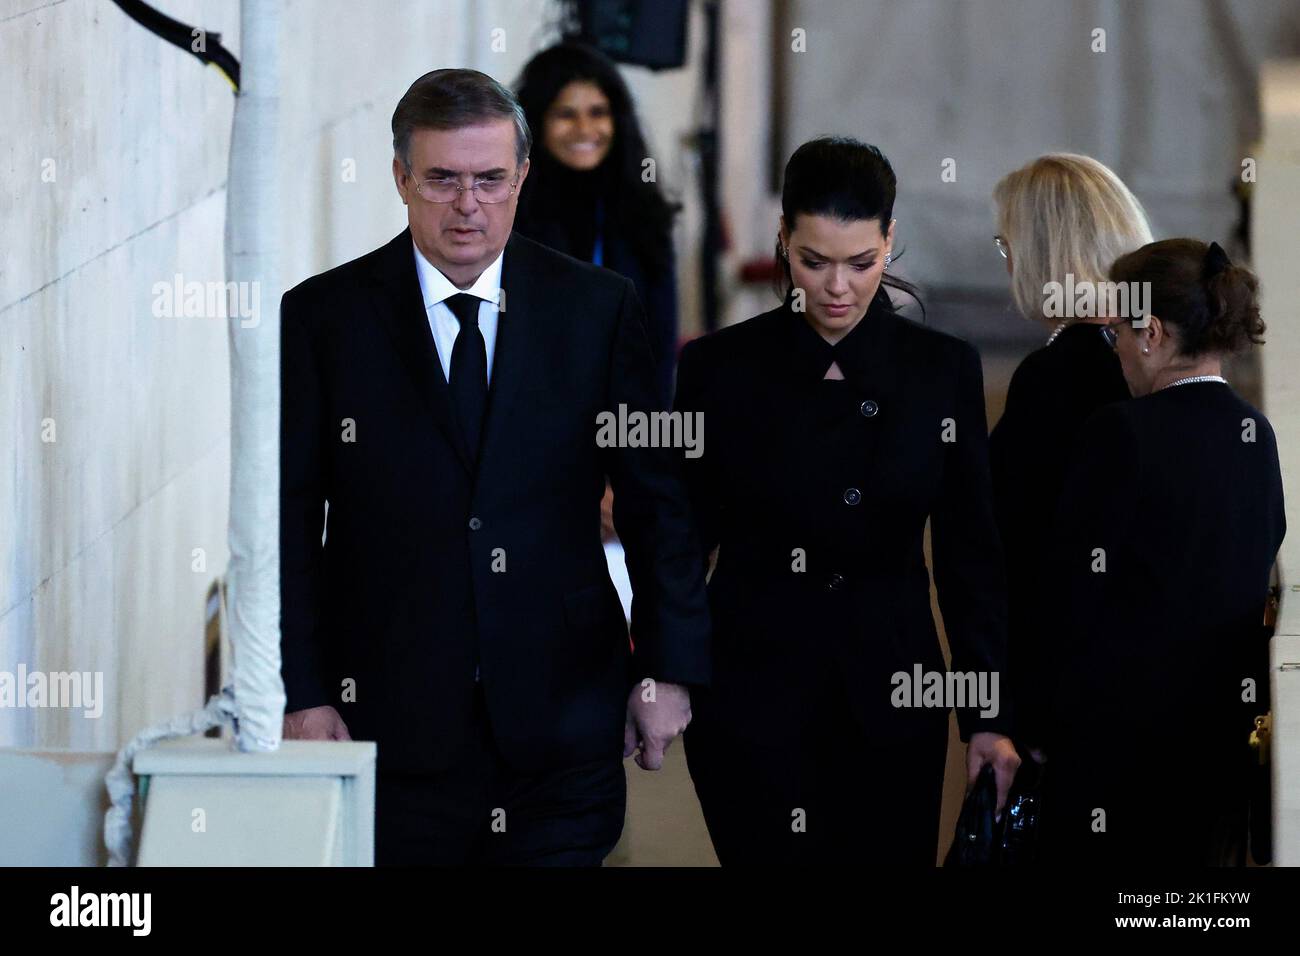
{"x":999,"y":752}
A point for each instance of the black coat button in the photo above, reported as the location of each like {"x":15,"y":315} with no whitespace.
{"x":834,"y":581}
{"x":870,"y":408}
{"x":852,"y":496}
{"x":475,"y":524}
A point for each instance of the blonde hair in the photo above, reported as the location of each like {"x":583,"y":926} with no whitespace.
{"x":1065,"y":214}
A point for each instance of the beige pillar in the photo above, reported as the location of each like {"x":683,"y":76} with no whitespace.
{"x":1276,"y":252}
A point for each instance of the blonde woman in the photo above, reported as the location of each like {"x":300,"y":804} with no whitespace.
{"x":1062,"y":220}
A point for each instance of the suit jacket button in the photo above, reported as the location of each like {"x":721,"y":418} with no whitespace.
{"x":475,"y":524}
{"x":870,"y":408}
{"x":852,"y":496}
{"x":834,"y":581}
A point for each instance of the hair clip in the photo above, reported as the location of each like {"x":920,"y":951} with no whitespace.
{"x":1216,"y":260}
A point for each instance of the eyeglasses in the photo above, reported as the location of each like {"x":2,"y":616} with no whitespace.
{"x":445,"y":189}
{"x":1002,"y":246}
{"x":1110,"y":335}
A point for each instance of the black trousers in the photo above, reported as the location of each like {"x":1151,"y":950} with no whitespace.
{"x":834,"y":796}
{"x":480,"y":812}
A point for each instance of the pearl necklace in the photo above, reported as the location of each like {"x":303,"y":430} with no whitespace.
{"x":1194,"y":378}
{"x":1057,"y":331}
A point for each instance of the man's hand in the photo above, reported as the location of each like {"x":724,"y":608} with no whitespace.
{"x":652,"y":724}
{"x":998,"y":751}
{"x":315,"y":723}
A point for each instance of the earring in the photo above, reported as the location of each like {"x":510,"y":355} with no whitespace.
{"x":1145,"y":350}
{"x":887,"y":258}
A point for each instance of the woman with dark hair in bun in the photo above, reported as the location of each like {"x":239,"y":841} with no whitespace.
{"x":835,"y":429}
{"x":1168,"y":528}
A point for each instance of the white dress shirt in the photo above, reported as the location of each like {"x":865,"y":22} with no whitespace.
{"x":437,"y":288}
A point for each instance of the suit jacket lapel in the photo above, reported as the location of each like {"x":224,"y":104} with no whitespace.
{"x":519,"y":323}
{"x":400,"y":308}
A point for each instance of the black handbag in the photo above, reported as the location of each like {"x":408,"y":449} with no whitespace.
{"x":1012,"y":841}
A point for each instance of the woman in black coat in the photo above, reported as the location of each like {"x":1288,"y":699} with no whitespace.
{"x":1061,"y":218}
{"x":834,"y":429}
{"x":1168,"y":528}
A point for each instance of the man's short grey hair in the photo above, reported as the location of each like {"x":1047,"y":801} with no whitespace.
{"x":454,"y":99}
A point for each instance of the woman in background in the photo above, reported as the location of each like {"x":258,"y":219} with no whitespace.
{"x":1061,"y":217}
{"x":836,"y":428}
{"x":1168,"y":527}
{"x":587,"y":193}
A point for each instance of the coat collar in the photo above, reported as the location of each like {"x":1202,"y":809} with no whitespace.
{"x":864,"y":355}
{"x":872,"y":358}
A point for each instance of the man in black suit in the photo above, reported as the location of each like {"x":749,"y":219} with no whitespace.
{"x":441,"y":395}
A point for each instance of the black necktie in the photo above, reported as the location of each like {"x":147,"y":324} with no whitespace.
{"x":468,"y":371}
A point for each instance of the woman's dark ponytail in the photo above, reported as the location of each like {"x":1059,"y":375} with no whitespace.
{"x":1232,"y":300}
